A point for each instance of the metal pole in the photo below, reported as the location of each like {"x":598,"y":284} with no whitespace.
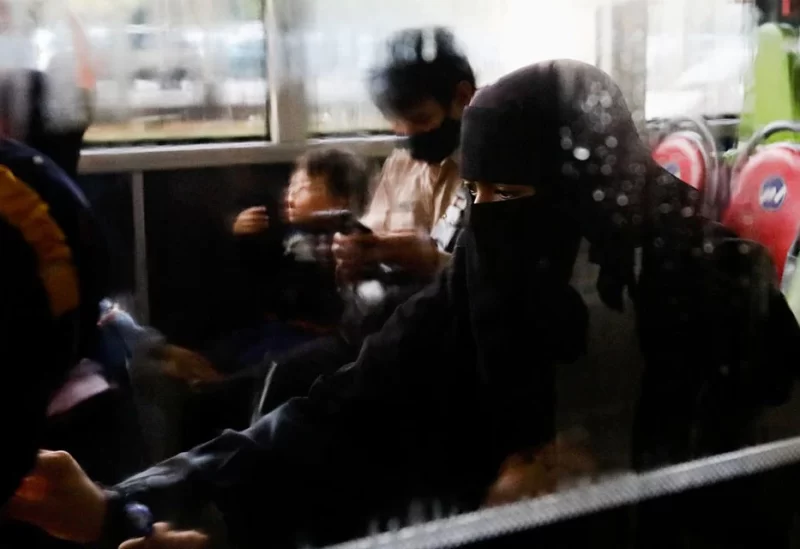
{"x":288,"y":121}
{"x":141,"y":272}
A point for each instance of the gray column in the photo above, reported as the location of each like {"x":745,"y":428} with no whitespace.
{"x":629,"y":53}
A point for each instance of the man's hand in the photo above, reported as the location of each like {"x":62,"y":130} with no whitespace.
{"x":189,"y":366}
{"x":251,"y":221}
{"x":357,"y":255}
{"x":165,"y":538}
{"x":412,"y":252}
{"x":60,"y":499}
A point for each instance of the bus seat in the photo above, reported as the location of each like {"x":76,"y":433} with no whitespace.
{"x":765,"y":201}
{"x":682,"y":155}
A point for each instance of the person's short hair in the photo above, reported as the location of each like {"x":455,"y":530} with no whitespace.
{"x":345,"y":173}
{"x":422,"y":64}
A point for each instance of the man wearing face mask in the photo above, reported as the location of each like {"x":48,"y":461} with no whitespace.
{"x":422,"y":90}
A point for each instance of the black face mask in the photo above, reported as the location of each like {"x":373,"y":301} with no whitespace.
{"x":437,"y":144}
{"x":519,"y":257}
{"x":522,"y":238}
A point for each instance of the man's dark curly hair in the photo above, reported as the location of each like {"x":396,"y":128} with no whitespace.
{"x":422,"y":64}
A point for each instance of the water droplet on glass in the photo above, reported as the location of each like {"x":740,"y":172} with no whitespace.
{"x":598,"y":195}
{"x":581,"y":153}
{"x":611,"y":159}
{"x":565,"y":131}
{"x":605,"y":100}
{"x":744,"y":248}
{"x":606,"y":169}
{"x":605,"y":119}
{"x":622,"y":200}
{"x":688,"y":211}
{"x":627,"y":186}
{"x":569,"y":170}
{"x":566,"y":143}
{"x":611,"y":142}
{"x":708,"y":247}
{"x":665,"y":208}
{"x":747,"y":219}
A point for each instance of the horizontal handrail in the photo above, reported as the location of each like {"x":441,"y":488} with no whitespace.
{"x":179,"y":157}
{"x":626,"y":489}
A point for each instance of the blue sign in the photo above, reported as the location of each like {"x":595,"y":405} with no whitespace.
{"x":674,"y":168}
{"x":773,"y":193}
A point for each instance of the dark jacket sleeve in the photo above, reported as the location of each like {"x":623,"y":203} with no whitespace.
{"x":365,"y":403}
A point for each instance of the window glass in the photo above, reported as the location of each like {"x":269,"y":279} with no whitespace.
{"x":338,"y":41}
{"x":698,"y":57}
{"x":163,"y":70}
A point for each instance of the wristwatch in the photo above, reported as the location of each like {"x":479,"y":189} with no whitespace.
{"x":124,"y":520}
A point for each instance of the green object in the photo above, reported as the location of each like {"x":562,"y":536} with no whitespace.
{"x":772,"y":93}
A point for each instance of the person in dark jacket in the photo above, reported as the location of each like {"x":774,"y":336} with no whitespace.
{"x":463,"y":374}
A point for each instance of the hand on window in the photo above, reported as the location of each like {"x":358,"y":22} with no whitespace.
{"x":533,"y":474}
{"x":165,"y":538}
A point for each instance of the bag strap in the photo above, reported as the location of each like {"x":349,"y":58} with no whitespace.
{"x":446,"y":230}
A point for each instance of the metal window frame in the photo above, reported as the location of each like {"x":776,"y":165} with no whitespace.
{"x":287,"y":128}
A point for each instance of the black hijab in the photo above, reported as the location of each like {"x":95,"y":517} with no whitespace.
{"x":565,"y":128}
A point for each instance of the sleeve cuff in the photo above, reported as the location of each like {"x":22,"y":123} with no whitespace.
{"x":124,"y":520}
{"x":112,"y":535}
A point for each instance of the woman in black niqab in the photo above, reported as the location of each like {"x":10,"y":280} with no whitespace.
{"x":705,"y":301}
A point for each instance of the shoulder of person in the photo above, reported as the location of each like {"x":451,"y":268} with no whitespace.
{"x":399,"y":159}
